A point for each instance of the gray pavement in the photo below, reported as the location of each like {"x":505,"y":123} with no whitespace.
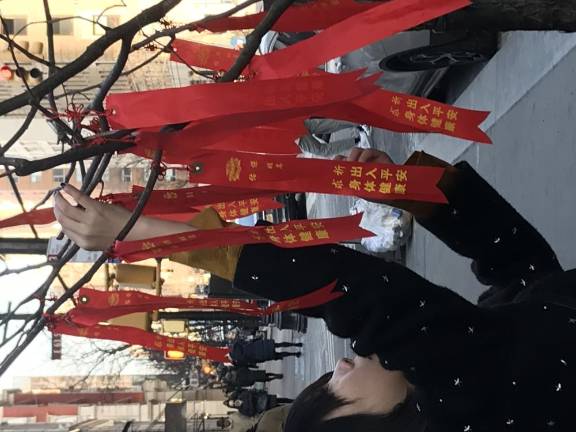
{"x":530,"y":88}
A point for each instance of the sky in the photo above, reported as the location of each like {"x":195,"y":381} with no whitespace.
{"x":35,"y":360}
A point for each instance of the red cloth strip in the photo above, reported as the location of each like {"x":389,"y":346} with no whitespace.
{"x":290,"y":235}
{"x":134,"y":336}
{"x":252,"y":98}
{"x":359,"y":30}
{"x":237,"y":209}
{"x":99,"y":306}
{"x":365,"y":180}
{"x":37,"y":217}
{"x":315,"y":15}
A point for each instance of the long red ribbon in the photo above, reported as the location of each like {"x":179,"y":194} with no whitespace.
{"x":315,"y":15}
{"x":405,"y":113}
{"x":365,"y":180}
{"x":250,"y":98}
{"x":36,"y":217}
{"x":359,"y":30}
{"x":173,"y":204}
{"x":202,"y":55}
{"x":98,"y":306}
{"x":134,"y":336}
{"x":291,"y":234}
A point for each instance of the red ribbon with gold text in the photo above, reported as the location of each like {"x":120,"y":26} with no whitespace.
{"x":173,"y":204}
{"x":385,"y":109}
{"x":134,"y":336}
{"x":365,"y":180}
{"x":242,"y":208}
{"x":291,"y":234}
{"x":405,"y":113}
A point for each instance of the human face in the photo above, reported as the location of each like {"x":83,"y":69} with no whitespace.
{"x":370,"y":388}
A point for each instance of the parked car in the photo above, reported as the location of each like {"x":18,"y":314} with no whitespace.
{"x":414,"y":61}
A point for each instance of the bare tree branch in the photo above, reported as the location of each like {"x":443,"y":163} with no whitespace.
{"x":23,"y":50}
{"x":93,"y":52}
{"x":42,"y":321}
{"x":23,"y":128}
{"x":253,"y":39}
{"x":191,"y":26}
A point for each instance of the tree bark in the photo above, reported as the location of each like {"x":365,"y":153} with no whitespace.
{"x":509,"y":15}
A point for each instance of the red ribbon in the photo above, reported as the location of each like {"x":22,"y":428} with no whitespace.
{"x":359,"y":30}
{"x":134,"y":336}
{"x":179,"y":205}
{"x":261,"y":139}
{"x":237,"y":209}
{"x":365,"y":180}
{"x":405,"y":113}
{"x":249,"y":99}
{"x":35,"y":217}
{"x":99,"y":306}
{"x":315,"y":15}
{"x":289,"y":235}
{"x":202,"y":55}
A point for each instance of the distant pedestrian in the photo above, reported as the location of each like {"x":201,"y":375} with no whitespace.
{"x":253,"y":402}
{"x":243,"y":376}
{"x":260,"y":350}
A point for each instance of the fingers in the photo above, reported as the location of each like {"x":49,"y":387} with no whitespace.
{"x":81,"y":198}
{"x":65,"y":208}
{"x":369,"y":155}
{"x":355,"y":154}
{"x":372,"y":155}
{"x":69,"y":226}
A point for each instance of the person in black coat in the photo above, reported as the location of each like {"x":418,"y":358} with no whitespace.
{"x":256,"y":351}
{"x":243,"y":376}
{"x":428,"y":359}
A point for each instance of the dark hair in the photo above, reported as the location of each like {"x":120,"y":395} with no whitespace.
{"x":316,"y":401}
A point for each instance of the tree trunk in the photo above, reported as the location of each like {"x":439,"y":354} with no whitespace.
{"x":509,"y":15}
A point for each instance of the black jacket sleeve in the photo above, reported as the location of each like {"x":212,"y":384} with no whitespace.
{"x":478,"y":223}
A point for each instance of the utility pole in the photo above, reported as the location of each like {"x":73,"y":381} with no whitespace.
{"x":23,"y":246}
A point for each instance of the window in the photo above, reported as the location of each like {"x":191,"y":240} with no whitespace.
{"x":106,"y":20}
{"x":58,"y":175}
{"x":126,"y":175}
{"x":170,"y":175}
{"x":64,"y":27}
{"x":78,"y":173}
{"x":35,"y":177}
{"x":14,"y":25}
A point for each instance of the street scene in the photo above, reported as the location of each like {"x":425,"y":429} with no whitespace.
{"x":255,"y":217}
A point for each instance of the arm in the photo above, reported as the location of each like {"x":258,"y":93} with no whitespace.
{"x":479,"y":224}
{"x":94,"y":225}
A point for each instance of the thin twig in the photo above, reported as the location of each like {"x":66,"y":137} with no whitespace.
{"x":42,"y":321}
{"x":253,"y":39}
{"x":23,"y":128}
{"x":92,"y":52}
{"x":191,"y":26}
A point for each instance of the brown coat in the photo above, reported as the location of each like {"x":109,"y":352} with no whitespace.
{"x":273,"y":420}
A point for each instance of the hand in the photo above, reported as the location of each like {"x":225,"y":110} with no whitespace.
{"x":367,"y":155}
{"x":92,"y":225}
